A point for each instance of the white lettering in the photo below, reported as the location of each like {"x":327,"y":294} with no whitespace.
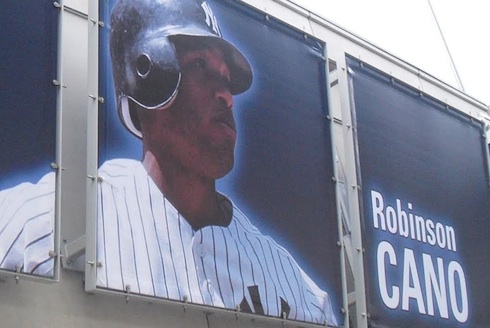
{"x":410,"y":274}
{"x":429,"y":294}
{"x":451,"y":238}
{"x":431,"y":238}
{"x":391,"y":220}
{"x":453,"y":269}
{"x":433,"y":284}
{"x":378,"y":206}
{"x":441,"y":235}
{"x":385,"y":248}
{"x":401,"y":221}
{"x":412,"y":224}
{"x":420,"y":224}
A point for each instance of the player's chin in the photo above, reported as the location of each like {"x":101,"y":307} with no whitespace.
{"x":226,"y":165}
{"x":222,"y":164}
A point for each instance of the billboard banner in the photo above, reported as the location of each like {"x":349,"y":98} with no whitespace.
{"x":425,"y":206}
{"x":215,"y":177}
{"x":29,"y":43}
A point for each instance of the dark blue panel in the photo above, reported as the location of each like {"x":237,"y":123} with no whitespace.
{"x":28,"y":65}
{"x":423,"y":159}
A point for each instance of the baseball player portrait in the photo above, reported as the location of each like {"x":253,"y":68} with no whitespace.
{"x":163,"y":228}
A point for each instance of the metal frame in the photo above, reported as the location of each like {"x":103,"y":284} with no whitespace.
{"x":352,"y":240}
{"x":92,"y":141}
{"x":342,"y":217}
{"x":59,"y":129}
{"x":486,"y":136}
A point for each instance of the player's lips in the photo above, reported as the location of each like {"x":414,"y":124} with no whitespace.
{"x":226,"y":118}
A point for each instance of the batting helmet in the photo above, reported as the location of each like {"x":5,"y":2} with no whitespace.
{"x":144,"y":61}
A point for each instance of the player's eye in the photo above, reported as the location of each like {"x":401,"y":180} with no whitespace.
{"x":200,"y":63}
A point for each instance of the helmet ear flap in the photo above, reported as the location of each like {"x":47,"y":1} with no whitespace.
{"x":152,"y":73}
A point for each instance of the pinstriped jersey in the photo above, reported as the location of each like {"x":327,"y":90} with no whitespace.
{"x":26,"y":227}
{"x":147,"y":247}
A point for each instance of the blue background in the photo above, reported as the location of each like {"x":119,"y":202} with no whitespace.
{"x":28,"y":65}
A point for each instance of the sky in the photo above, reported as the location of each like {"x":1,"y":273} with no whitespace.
{"x":408,"y":30}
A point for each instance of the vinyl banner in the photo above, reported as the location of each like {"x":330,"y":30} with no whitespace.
{"x":425,"y":206}
{"x":28,"y":39}
{"x":215,"y":178}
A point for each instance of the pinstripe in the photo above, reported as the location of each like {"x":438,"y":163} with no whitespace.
{"x":12,"y":244}
{"x":26,"y":226}
{"x":216,"y":270}
{"x":43,"y":268}
{"x":119,"y":235}
{"x":279,"y":283}
{"x":9,"y":199}
{"x":271,"y":276}
{"x":171,"y":249}
{"x":133,"y":245}
{"x":248,"y":263}
{"x":188,"y":241}
{"x":32,"y":243}
{"x":205,"y":276}
{"x":162,"y":234}
{"x":261,"y":268}
{"x":291,"y":290}
{"x":239,"y":244}
{"x":185,"y":259}
{"x":300,"y":289}
{"x":217,"y":266}
{"x":227,"y":250}
{"x":318,"y":307}
{"x":247,"y":232}
{"x":234,"y":265}
{"x":142,"y":258}
{"x":23,"y":206}
{"x":101,"y":247}
{"x":40,"y":264}
{"x":18,"y":196}
{"x":277,"y":273}
{"x":242,"y":245}
{"x":156,"y":237}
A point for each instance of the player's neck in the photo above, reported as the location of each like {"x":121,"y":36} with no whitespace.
{"x":192,"y":195}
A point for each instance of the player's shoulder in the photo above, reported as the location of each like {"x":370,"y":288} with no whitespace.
{"x":27,"y":209}
{"x":242,"y":221}
{"x":245,"y":226}
{"x":44,"y":187}
{"x":119,"y":168}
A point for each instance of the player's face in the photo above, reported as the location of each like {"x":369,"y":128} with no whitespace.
{"x":199,"y":128}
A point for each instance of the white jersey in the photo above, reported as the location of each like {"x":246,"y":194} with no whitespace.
{"x":145,"y":246}
{"x":26,"y":227}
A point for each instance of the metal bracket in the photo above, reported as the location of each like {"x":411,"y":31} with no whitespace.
{"x":127,"y":290}
{"x":71,"y":253}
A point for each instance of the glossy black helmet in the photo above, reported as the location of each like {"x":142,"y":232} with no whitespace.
{"x":144,"y":61}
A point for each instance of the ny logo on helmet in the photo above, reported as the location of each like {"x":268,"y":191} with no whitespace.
{"x":210,"y":18}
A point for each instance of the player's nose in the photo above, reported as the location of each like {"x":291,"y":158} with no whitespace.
{"x":224,"y":96}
